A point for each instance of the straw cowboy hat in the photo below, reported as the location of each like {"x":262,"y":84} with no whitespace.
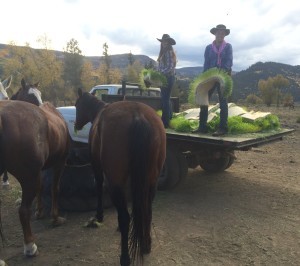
{"x":220,"y":27}
{"x":166,"y":37}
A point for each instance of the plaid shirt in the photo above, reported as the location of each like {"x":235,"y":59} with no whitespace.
{"x":167,"y":68}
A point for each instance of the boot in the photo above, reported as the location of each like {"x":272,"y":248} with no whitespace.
{"x":203,"y":115}
{"x":223,"y":129}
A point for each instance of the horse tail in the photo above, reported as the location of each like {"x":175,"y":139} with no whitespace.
{"x":141,"y":192}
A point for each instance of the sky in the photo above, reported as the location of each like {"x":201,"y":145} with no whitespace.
{"x":260,"y":30}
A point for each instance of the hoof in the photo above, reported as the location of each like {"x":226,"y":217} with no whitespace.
{"x":30,"y":250}
{"x":59,"y":221}
{"x":92,"y":223}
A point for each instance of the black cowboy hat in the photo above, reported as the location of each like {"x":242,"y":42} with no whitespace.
{"x":220,"y":27}
{"x":166,"y":37}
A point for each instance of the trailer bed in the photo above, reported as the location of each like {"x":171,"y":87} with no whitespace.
{"x":230,"y":141}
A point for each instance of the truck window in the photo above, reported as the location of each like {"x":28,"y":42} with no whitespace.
{"x":153,"y":93}
{"x":98,"y":93}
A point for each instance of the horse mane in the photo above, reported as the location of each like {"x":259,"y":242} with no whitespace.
{"x":95,"y":103}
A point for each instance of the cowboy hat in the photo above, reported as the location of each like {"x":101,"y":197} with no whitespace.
{"x":166,"y":37}
{"x":220,"y":27}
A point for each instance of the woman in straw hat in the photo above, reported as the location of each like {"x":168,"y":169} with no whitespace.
{"x":166,"y":65}
{"x":217,"y":54}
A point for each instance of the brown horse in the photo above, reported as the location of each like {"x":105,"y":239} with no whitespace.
{"x":27,"y":93}
{"x":33,"y":138}
{"x":4,"y":85}
{"x":128,"y":147}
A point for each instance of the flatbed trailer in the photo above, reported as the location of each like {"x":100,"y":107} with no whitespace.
{"x":212,"y":154}
{"x":184,"y":150}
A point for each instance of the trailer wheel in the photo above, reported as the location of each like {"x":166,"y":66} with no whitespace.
{"x":216,"y":165}
{"x":174,"y":170}
{"x":230,"y":162}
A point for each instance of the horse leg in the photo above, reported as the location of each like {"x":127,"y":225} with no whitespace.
{"x":99,"y":186}
{"x":57,"y":172}
{"x":29,"y":191}
{"x":39,"y":213}
{"x":119,"y":200}
{"x":146,"y":244}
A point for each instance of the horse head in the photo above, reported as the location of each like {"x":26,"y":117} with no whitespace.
{"x":28,"y":93}
{"x":87,"y":108}
{"x":4,"y":85}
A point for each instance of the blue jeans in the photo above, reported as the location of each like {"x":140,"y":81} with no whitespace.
{"x":165,"y":100}
{"x":223,"y":109}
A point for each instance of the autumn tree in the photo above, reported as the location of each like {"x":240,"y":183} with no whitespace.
{"x":253,"y":99}
{"x":88,"y":76}
{"x":21,"y":64}
{"x":50,"y":72}
{"x":133,"y":72}
{"x":270,"y":89}
{"x":105,"y":74}
{"x":279,"y":82}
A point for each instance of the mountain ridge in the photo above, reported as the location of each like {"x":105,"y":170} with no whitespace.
{"x":244,"y":82}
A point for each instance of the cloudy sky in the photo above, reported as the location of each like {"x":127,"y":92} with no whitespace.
{"x":261,"y":30}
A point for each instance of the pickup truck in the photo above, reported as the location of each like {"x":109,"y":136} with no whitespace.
{"x":184,"y":150}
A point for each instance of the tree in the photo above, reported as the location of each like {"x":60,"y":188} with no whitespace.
{"x":133,"y":72}
{"x":279,"y":82}
{"x":149,"y":65}
{"x":50,"y":72}
{"x":21,"y":64}
{"x":253,"y":99}
{"x":107,"y":63}
{"x":73,"y":62}
{"x":270,"y":89}
{"x":130,"y":59}
{"x":88,"y":76}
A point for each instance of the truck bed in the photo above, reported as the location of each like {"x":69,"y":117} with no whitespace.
{"x":230,"y":141}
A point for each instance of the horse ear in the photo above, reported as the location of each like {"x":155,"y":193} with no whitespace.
{"x":79,"y":92}
{"x":6,"y":83}
{"x":36,"y":85}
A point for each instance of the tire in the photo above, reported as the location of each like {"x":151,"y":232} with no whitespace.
{"x":216,"y":165}
{"x":231,"y":160}
{"x":174,"y":170}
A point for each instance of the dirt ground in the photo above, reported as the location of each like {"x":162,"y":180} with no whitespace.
{"x":247,"y":215}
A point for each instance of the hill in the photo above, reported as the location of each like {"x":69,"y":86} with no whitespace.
{"x":244,"y":82}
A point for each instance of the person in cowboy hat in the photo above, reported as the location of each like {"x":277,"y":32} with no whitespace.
{"x":217,"y":54}
{"x":166,"y":65}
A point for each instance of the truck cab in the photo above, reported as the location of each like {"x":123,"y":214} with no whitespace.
{"x":117,"y":89}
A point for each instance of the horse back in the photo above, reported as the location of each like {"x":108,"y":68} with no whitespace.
{"x":58,"y":134}
{"x":114,"y":137}
{"x":23,"y":135}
